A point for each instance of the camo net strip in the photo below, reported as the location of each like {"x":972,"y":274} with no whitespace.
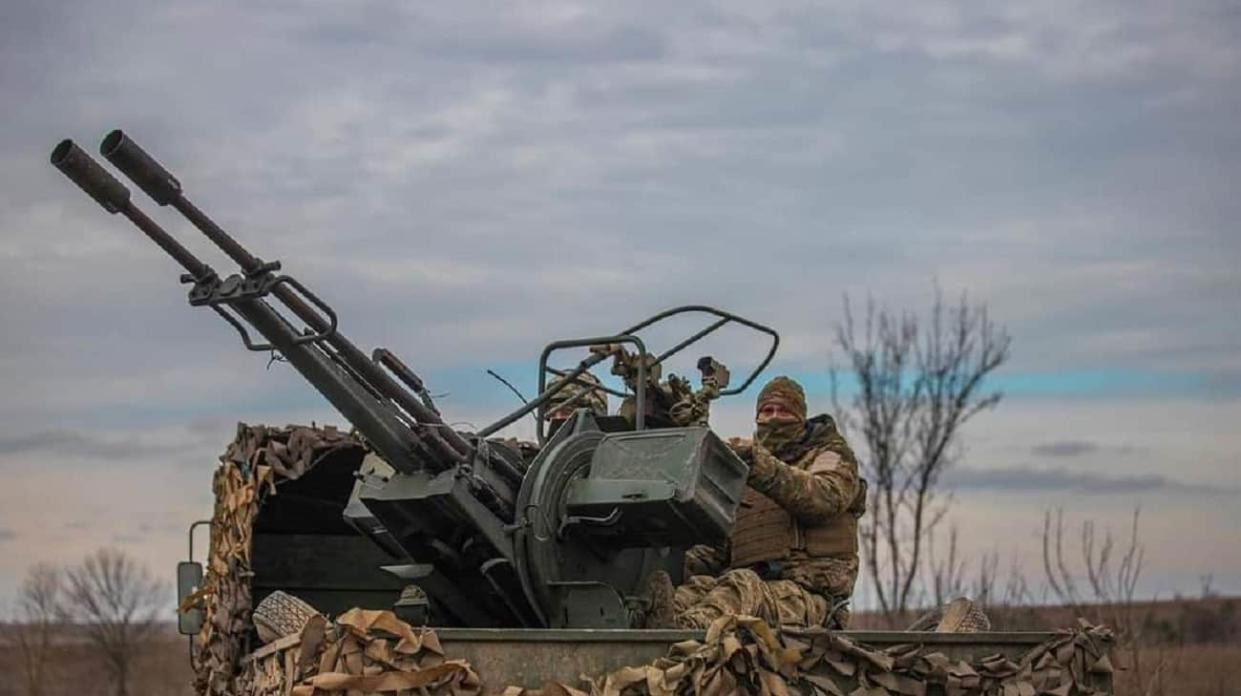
{"x":248,"y":471}
{"x":363,"y":652}
{"x":743,"y":655}
{"x":373,"y":652}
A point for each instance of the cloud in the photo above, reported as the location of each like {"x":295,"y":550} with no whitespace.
{"x":104,"y":446}
{"x":1032,"y":480}
{"x":7,"y":534}
{"x":1064,"y":448}
{"x":65,"y":441}
{"x":504,"y":175}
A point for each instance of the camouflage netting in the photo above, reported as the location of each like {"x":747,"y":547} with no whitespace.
{"x":743,"y":655}
{"x":372,"y":652}
{"x":248,"y":471}
{"x":363,"y":652}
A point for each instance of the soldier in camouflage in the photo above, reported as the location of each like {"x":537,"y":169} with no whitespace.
{"x":582,"y":392}
{"x":792,"y":556}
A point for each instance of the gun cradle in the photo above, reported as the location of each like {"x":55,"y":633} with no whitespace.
{"x":597,"y":513}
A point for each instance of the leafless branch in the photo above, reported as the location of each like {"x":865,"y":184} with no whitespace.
{"x":114,"y":600}
{"x":917,"y":383}
{"x":37,"y":612}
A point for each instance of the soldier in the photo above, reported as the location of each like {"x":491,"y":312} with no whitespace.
{"x":574,"y":396}
{"x":560,"y":407}
{"x":671,"y":402}
{"x":792,"y":556}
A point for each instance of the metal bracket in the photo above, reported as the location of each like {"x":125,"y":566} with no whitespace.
{"x":573,"y":520}
{"x":218,"y":294}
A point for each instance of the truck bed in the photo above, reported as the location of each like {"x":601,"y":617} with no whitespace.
{"x":532,"y":658}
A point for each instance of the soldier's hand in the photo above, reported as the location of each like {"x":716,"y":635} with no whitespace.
{"x":607,"y":349}
{"x":742,"y":447}
{"x":761,"y":468}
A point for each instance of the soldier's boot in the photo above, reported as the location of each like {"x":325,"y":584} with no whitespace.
{"x":659,"y":593}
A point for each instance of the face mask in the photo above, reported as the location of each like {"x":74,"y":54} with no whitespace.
{"x":777,"y":433}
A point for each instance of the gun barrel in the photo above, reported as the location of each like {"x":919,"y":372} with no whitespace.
{"x":84,"y":171}
{"x":380,"y":396}
{"x":140,"y":167}
{"x":99,"y":184}
{"x":164,"y":188}
{"x":149,"y":175}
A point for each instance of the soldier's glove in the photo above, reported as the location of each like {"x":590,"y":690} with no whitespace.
{"x":763,"y":467}
{"x":741,"y":447}
{"x":607,"y":349}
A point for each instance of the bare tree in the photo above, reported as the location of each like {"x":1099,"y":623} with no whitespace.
{"x":918,"y":383}
{"x":115,"y":600}
{"x":1104,"y":586}
{"x":35,"y":617}
{"x":948,"y":575}
{"x":1101,"y":585}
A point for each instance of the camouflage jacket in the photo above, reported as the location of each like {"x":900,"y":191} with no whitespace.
{"x":816,"y":482}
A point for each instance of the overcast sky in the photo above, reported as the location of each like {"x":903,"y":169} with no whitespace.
{"x":466,"y":181}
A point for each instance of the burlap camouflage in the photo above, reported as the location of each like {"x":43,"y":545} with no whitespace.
{"x":371,"y":652}
{"x":248,"y":472}
{"x":742,"y":654}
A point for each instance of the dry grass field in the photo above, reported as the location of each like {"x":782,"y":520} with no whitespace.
{"x":162,"y":670}
{"x":1187,"y":648}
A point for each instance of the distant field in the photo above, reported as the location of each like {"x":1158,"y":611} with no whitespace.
{"x":1191,"y":648}
{"x":163,"y":670}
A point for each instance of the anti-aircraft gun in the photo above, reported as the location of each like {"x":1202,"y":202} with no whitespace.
{"x":566,"y":539}
{"x":487,"y":535}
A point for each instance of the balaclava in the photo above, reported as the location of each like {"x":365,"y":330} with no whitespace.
{"x":776,"y":434}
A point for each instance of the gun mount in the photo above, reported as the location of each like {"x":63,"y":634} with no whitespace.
{"x":564,"y":539}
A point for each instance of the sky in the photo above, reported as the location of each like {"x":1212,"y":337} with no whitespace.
{"x":465,"y":182}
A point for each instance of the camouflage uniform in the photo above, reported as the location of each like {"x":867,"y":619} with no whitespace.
{"x":583,"y":392}
{"x":793,"y":551}
{"x":669,"y":403}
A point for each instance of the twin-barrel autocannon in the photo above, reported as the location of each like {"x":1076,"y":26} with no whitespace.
{"x":492,"y":537}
